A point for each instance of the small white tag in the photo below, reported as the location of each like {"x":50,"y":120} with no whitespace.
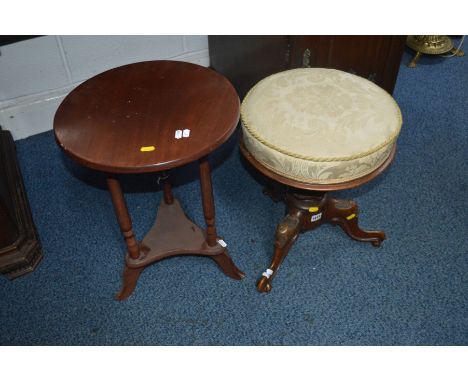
{"x":316,"y":217}
{"x":222,"y":243}
{"x":186,"y":133}
{"x":267,"y":273}
{"x":178,"y":134}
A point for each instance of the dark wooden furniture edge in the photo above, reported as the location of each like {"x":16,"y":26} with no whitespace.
{"x":11,"y":39}
{"x":24,"y":253}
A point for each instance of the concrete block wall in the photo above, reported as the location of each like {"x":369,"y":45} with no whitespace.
{"x":36,"y":74}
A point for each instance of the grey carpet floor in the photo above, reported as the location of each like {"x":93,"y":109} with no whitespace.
{"x":330,"y":291}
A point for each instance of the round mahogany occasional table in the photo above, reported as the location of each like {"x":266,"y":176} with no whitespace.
{"x":152,"y":117}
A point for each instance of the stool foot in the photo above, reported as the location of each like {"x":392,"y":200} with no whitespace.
{"x":345,"y":214}
{"x":264,"y":285}
{"x":130,"y":278}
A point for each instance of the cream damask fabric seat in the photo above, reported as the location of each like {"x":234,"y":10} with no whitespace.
{"x":320,"y":126}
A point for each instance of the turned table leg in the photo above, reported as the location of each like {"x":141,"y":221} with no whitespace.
{"x":123,"y":217}
{"x":223,"y":260}
{"x":208,"y":202}
{"x":130,"y":275}
{"x":167,"y":190}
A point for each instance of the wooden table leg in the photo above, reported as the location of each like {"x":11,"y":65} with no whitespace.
{"x":167,"y":189}
{"x":123,"y":217}
{"x":223,"y":260}
{"x":130,"y":275}
{"x":208,"y":202}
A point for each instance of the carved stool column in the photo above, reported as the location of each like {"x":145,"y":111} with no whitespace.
{"x":307,"y":211}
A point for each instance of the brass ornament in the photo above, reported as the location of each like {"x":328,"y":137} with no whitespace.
{"x":430,"y":45}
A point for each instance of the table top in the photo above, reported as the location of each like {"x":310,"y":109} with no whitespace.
{"x":125,"y":119}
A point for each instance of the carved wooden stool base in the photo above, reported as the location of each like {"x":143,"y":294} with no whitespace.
{"x":173,"y":234}
{"x":307,"y":211}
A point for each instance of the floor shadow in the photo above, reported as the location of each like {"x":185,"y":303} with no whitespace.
{"x":261,"y":179}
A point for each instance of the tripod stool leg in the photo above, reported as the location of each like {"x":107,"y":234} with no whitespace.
{"x":345,"y":214}
{"x":286,"y":234}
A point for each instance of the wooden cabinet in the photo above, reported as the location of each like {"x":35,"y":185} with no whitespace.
{"x":20,"y":248}
{"x":247,"y":59}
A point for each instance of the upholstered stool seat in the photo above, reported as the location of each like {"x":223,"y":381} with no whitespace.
{"x":317,"y":130}
{"x":320,"y":126}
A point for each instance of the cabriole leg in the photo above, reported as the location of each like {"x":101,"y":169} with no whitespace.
{"x":286,"y":234}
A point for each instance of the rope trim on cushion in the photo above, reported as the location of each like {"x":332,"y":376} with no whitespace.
{"x":388,"y":141}
{"x":321,"y":181}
